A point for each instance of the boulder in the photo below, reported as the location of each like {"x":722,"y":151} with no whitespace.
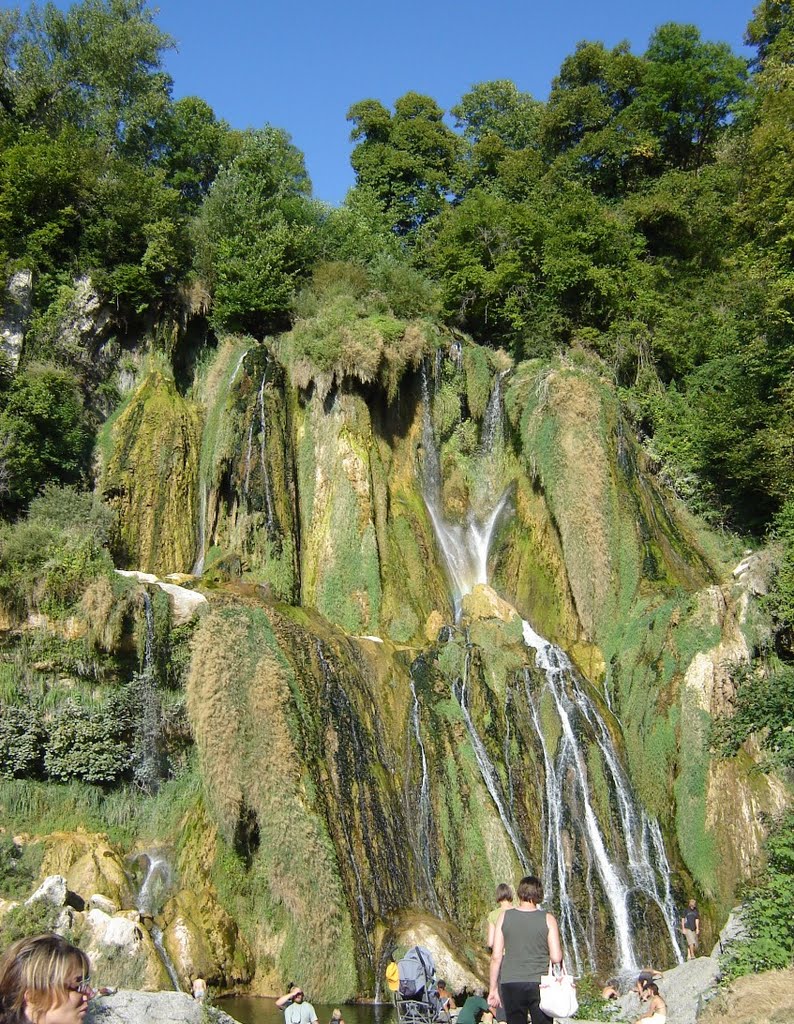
{"x":126,"y":1007}
{"x":184,"y":603}
{"x":484,"y":603}
{"x":685,"y":989}
{"x":202,"y":939}
{"x":121,"y":951}
{"x":100,"y":902}
{"x":445,"y":947}
{"x":52,"y":890}
{"x":733,"y":929}
{"x":90,"y":866}
{"x":16,"y":315}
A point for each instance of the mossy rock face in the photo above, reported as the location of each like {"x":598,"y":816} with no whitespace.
{"x":151,"y":477}
{"x":89,"y":864}
{"x":203,"y":940}
{"x":340,"y":564}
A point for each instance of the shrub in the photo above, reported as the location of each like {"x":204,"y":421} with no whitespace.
{"x":768,"y":910}
{"x":21,"y":737}
{"x":27,"y":919}
{"x":89,"y":743}
{"x":19,"y":867}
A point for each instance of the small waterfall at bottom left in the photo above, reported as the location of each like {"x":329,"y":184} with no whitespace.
{"x":149,"y":899}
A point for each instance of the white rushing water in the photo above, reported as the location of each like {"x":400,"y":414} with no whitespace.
{"x":201,"y":531}
{"x":154,"y":888}
{"x":645,"y":875}
{"x":464,"y":546}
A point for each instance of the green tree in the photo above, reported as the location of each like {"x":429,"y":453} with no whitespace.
{"x":498,"y":122}
{"x":97,"y":67}
{"x":688,"y":92}
{"x":258,"y":233}
{"x":43,"y":434}
{"x":193,"y":146}
{"x":406,"y":159}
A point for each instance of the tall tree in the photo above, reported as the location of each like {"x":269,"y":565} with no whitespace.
{"x":97,"y":67}
{"x":688,"y":92}
{"x":497,"y":121}
{"x":407,"y":158}
{"x":257,"y":235}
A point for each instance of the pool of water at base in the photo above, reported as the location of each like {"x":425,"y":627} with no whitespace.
{"x":263,"y":1010}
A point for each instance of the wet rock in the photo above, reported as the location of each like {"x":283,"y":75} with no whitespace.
{"x":90,"y":866}
{"x":16,"y":315}
{"x":122,"y":951}
{"x":202,"y":939}
{"x":184,"y":603}
{"x":100,"y":902}
{"x":52,"y":890}
{"x":126,"y":1007}
{"x":484,"y":603}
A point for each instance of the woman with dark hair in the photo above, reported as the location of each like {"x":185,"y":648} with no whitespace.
{"x":525,"y":940}
{"x":44,"y":980}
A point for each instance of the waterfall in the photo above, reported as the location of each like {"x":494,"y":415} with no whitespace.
{"x":147,"y":767}
{"x":555,"y":867}
{"x":271,"y":518}
{"x":464,"y":547}
{"x":198,"y":565}
{"x":155,"y":886}
{"x":487,"y":770}
{"x":638,"y":833}
{"x":424,"y":837}
{"x":493,"y":427}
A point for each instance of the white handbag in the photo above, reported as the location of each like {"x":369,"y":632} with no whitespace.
{"x":558,"y":994}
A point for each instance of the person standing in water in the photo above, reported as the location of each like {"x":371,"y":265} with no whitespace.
{"x":526,"y":939}
{"x":296,"y":1010}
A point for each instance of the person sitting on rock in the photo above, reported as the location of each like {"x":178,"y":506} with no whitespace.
{"x":474,"y":1008}
{"x":44,"y":979}
{"x":656,"y":1010}
{"x":448,"y":1004}
{"x":296,"y":1010}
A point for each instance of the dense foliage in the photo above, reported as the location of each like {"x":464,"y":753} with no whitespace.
{"x":767,"y":910}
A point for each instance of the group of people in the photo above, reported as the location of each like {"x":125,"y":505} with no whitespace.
{"x":46,"y":980}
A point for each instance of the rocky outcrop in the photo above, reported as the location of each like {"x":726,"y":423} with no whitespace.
{"x":16,"y":314}
{"x":151,"y":477}
{"x":184,"y":603}
{"x":90,"y":866}
{"x":203,"y":940}
{"x":127,"y":1007}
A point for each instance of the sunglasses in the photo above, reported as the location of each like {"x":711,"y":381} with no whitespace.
{"x":83,"y":986}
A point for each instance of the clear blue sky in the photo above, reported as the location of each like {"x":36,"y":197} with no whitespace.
{"x":301,"y":65}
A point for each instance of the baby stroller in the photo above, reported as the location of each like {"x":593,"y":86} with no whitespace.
{"x":416,"y":997}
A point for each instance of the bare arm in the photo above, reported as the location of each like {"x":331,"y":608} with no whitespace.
{"x":491,"y":933}
{"x":282,"y":1001}
{"x":555,"y":946}
{"x":496,"y":963}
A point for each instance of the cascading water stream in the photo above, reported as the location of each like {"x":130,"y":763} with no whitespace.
{"x":271,"y":517}
{"x":424,"y":837}
{"x":155,"y":885}
{"x":487,"y":770}
{"x":464,"y":547}
{"x":198,"y":565}
{"x":554,"y":861}
{"x":645,"y":875}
